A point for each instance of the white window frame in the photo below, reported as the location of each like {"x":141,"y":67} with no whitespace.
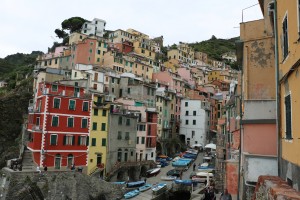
{"x":87,"y":106}
{"x":59,"y":102}
{"x":55,"y":141}
{"x":57,"y":121}
{"x":74,"y":104}
{"x":52,"y":88}
{"x":69,"y":140}
{"x":68,"y":122}
{"x":86,"y":122}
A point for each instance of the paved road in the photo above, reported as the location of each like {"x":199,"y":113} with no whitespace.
{"x":153,"y":180}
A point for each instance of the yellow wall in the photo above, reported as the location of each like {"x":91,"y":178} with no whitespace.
{"x":102,"y":47}
{"x":99,"y":135}
{"x":214,"y":75}
{"x":290,"y":83}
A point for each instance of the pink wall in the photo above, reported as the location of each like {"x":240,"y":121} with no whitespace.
{"x":186,"y":74}
{"x":164,"y":78}
{"x":260,"y":139}
{"x":232,"y":177}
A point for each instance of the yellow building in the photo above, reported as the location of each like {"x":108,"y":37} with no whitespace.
{"x":288,"y":29}
{"x":183,"y":53}
{"x":98,"y":135}
{"x":172,"y":64}
{"x":214,"y":74}
{"x":101,"y":49}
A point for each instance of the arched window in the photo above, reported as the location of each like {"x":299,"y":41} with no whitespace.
{"x":57,"y":161}
{"x":70,"y":160}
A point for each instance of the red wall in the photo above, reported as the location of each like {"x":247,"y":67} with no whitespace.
{"x":232,"y":177}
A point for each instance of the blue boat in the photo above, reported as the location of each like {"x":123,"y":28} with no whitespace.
{"x":135,"y":184}
{"x":183,"y":182}
{"x":189,"y":155}
{"x":131,"y":194}
{"x":205,"y":167}
{"x":119,"y":183}
{"x":145,"y":187}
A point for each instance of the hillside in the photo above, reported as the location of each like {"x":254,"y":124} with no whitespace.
{"x":215,"y":47}
{"x":16,"y":70}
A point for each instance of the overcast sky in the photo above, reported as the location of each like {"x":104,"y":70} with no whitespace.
{"x":27,"y":25}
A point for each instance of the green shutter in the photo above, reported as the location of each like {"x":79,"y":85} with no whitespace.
{"x":53,"y":139}
{"x":103,"y":142}
{"x":73,"y":140}
{"x":93,"y":141}
{"x":64,"y":140}
{"x":79,"y":140}
{"x":87,"y":140}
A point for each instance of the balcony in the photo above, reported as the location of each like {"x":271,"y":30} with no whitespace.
{"x":34,"y":127}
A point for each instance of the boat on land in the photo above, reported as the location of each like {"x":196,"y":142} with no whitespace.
{"x":135,"y":184}
{"x":119,"y":183}
{"x":131,"y":194}
{"x":159,"y":188}
{"x":145,"y":187}
{"x":168,"y":178}
{"x":183,"y":182}
{"x":153,"y":172}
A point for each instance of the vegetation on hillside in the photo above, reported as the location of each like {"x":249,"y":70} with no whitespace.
{"x":16,"y":70}
{"x":215,"y":47}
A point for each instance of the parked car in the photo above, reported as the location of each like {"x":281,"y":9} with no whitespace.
{"x":173,"y":172}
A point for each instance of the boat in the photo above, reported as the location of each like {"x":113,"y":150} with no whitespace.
{"x":162,"y":156}
{"x":159,"y":188}
{"x":206,"y":167}
{"x":168,"y":178}
{"x":145,"y":187}
{"x":153,"y":172}
{"x":119,"y":183}
{"x":189,"y":155}
{"x":192,"y":151}
{"x":135,"y":184}
{"x":131,"y":194}
{"x":203,"y":177}
{"x":183,"y":182}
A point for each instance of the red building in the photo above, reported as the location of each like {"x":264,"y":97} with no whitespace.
{"x":58,"y":125}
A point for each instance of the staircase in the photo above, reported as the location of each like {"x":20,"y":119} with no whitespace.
{"x":27,"y":161}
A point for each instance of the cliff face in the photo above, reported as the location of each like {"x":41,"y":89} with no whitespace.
{"x":13,"y":107}
{"x":59,"y":185}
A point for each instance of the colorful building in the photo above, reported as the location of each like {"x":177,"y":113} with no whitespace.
{"x":58,"y":125}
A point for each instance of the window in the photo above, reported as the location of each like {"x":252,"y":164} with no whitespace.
{"x":127,"y":122}
{"x":72,"y":104}
{"x":186,"y":113}
{"x":126,"y":135}
{"x":70,"y":121}
{"x":53,"y":139}
{"x":285,"y":41}
{"x":137,"y":140}
{"x":56,"y":103}
{"x":37,"y":121}
{"x":194,"y":113}
{"x":82,"y":140}
{"x":103,"y":126}
{"x":85,"y":106}
{"x":120,"y":120}
{"x":93,"y":142}
{"x":103,"y":142}
{"x":128,"y":90}
{"x":186,"y":122}
{"x":94,"y":126}
{"x":104,"y":113}
{"x":95,"y":112}
{"x":69,"y":140}
{"x":84,"y":123}
{"x":193,"y":134}
{"x":119,"y":135}
{"x":99,"y":52}
{"x":55,"y":121}
{"x":186,"y":104}
{"x":288,"y":117}
{"x":54,"y":88}
{"x":194,"y":122}
{"x":143,"y":140}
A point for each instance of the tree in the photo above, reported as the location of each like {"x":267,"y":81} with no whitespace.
{"x":73,"y":24}
{"x":60,"y":33}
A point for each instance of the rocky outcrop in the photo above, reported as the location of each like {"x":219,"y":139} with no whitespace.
{"x":58,"y":185}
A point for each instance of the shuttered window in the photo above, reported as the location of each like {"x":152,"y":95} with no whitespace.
{"x":288,"y":117}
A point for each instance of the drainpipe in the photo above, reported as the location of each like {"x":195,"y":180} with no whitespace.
{"x":273,"y":8}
